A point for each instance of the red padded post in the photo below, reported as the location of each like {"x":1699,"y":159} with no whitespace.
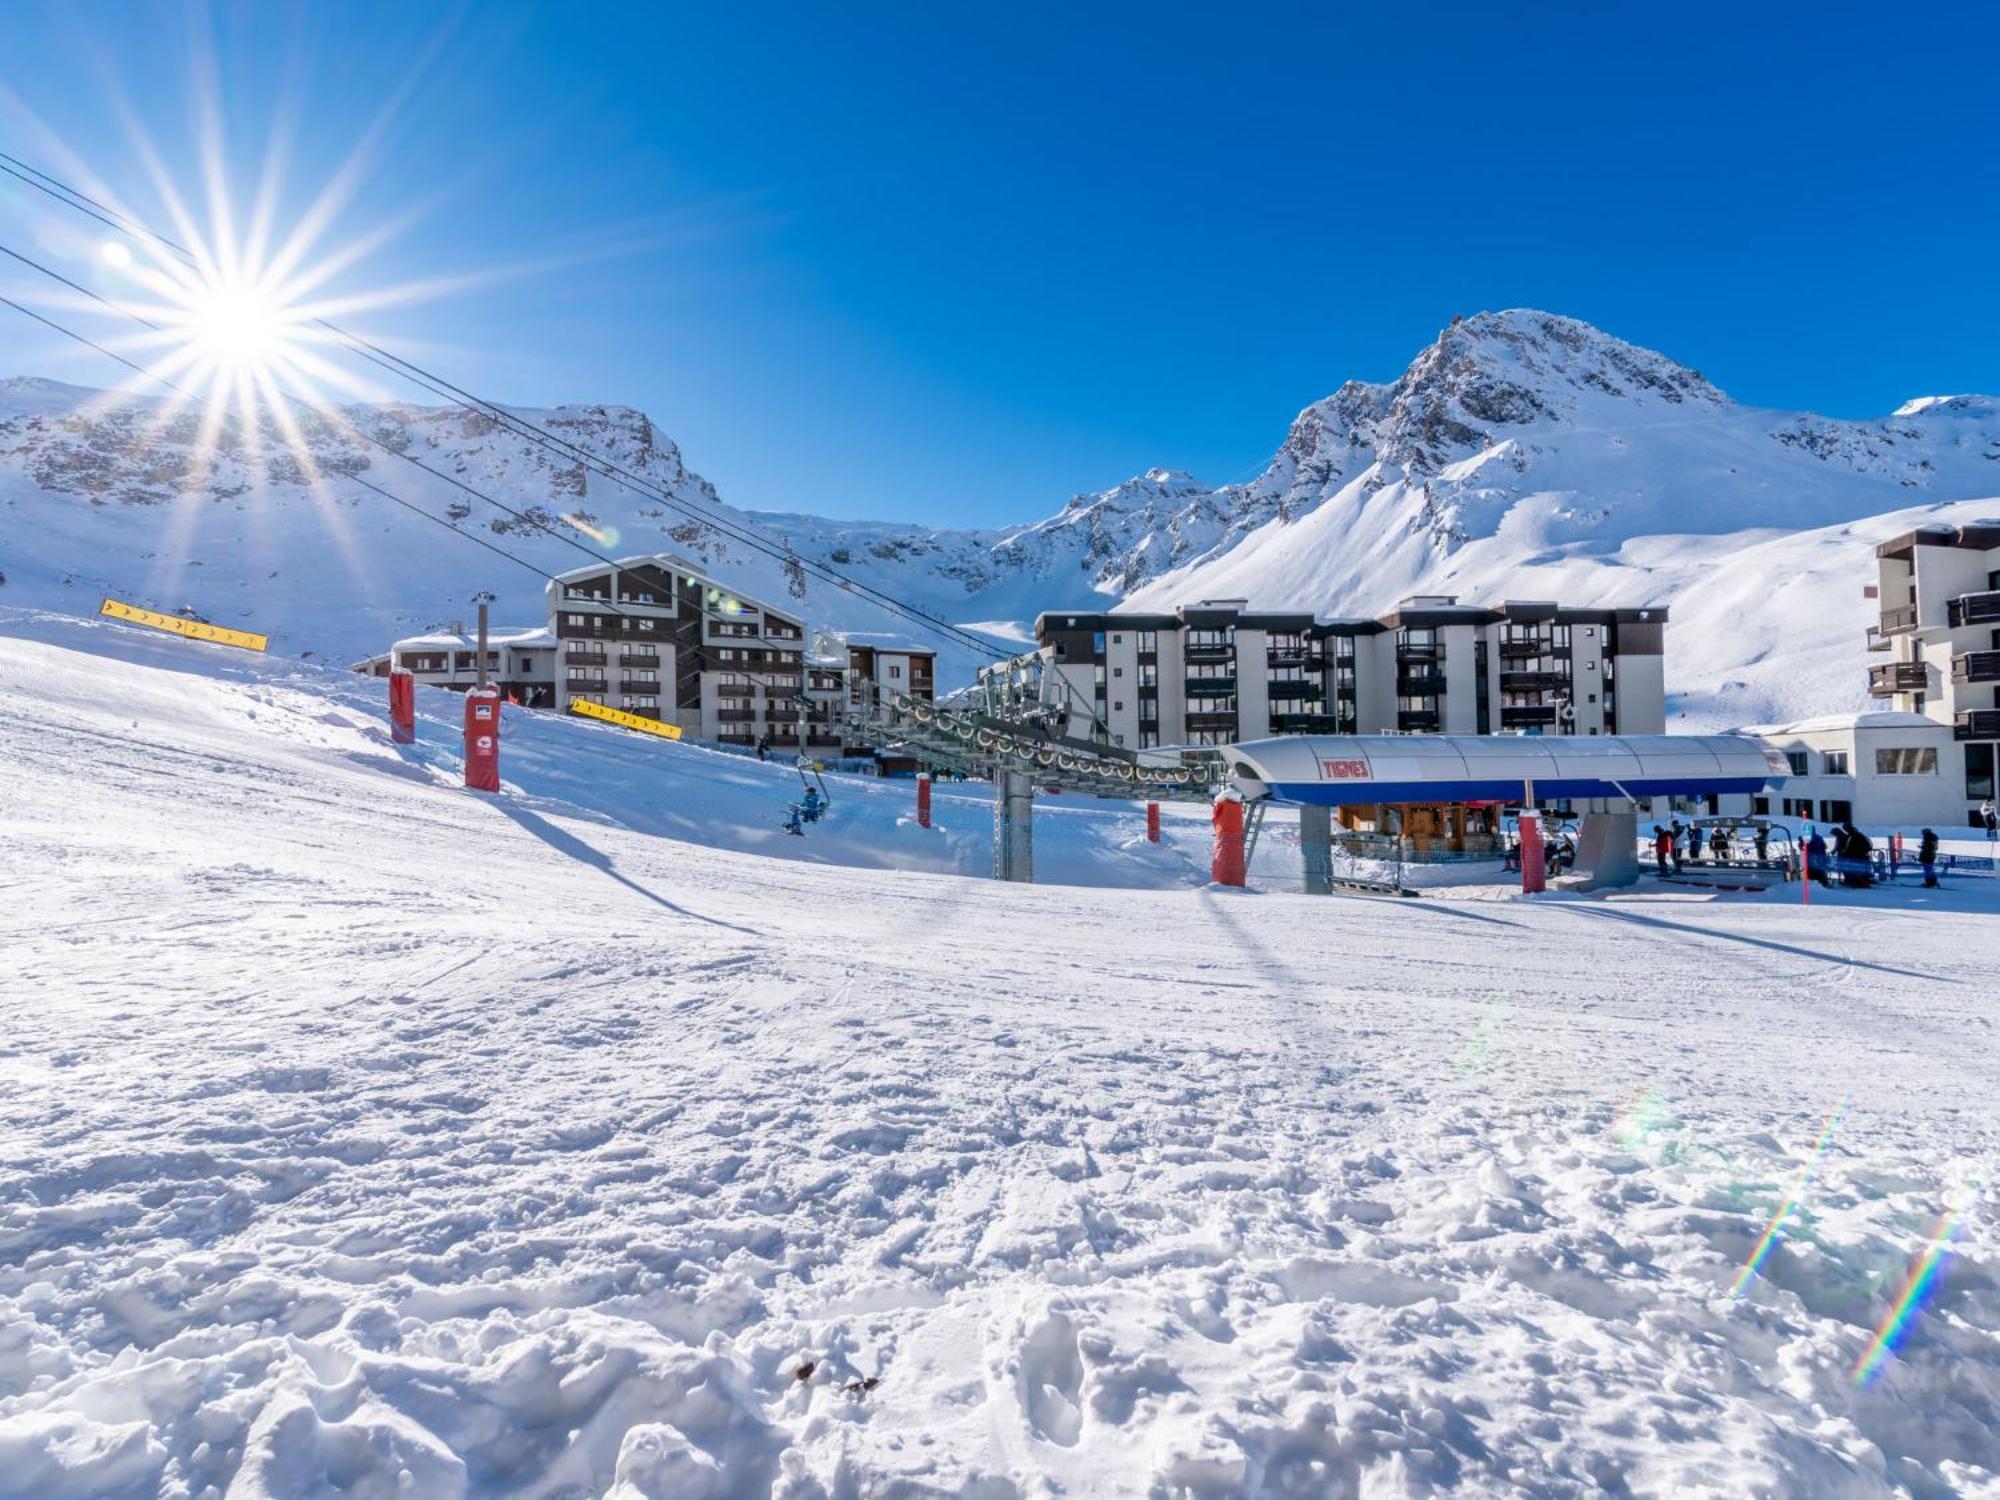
{"x":402,"y":707}
{"x":1226,"y":864}
{"x":482,"y":739}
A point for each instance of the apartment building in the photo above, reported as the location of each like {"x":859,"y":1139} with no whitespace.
{"x":1219,"y":672}
{"x":1938,"y":591}
{"x":655,"y":636}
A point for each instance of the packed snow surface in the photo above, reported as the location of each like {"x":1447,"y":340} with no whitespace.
{"x":364,"y":1136}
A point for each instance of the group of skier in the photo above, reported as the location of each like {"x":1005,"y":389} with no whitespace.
{"x":1679,"y":844}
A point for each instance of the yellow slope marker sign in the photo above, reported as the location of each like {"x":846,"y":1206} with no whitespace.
{"x":194,"y":630}
{"x":619,"y":716}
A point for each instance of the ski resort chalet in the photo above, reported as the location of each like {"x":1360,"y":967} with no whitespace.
{"x":1938,"y":589}
{"x":1219,"y":672}
{"x":1930,"y":758}
{"x":656,"y":637}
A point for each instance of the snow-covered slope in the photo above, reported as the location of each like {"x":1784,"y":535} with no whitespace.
{"x":1520,"y":453}
{"x":365,"y":1137}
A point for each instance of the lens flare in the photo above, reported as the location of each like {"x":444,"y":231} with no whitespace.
{"x":1769,"y":1241}
{"x":1922,"y":1281}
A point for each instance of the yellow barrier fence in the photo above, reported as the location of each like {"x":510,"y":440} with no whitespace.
{"x":619,"y":716}
{"x":194,"y":630}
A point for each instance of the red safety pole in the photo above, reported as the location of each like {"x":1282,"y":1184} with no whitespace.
{"x":1152,"y":822}
{"x":1805,"y":870}
{"x":482,"y":739}
{"x":1534,"y":858}
{"x":402,"y":707}
{"x":1225,"y":865}
{"x":923,"y":799}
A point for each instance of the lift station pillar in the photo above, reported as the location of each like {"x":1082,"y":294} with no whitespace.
{"x":1013,"y":826}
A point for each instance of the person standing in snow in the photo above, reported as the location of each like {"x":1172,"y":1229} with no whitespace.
{"x":1718,"y":844}
{"x":1990,"y":816}
{"x":1763,"y":843}
{"x":1663,"y":848}
{"x":1816,"y":858}
{"x":763,"y":747}
{"x":1927,"y":850}
{"x":1856,"y":868}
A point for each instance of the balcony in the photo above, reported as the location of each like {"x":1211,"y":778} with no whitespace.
{"x":1417,"y":651}
{"x":1532,"y":682}
{"x":1894,"y":677}
{"x":1980,"y":724}
{"x":1210,"y":687}
{"x":1420,"y":684}
{"x":1305,"y":723}
{"x":1876,"y":640}
{"x":1976,"y":666}
{"x":1225,"y":652}
{"x":586,"y":684}
{"x":1418,"y":722}
{"x":1900,"y":620}
{"x":1973,"y":609}
{"x":1526,"y":715}
{"x":585,"y":659}
{"x":1288,"y":691}
{"x":1523,"y":650}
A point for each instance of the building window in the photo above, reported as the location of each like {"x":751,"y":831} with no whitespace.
{"x":1148,"y":641}
{"x":895,"y":671}
{"x":1797,"y":760}
{"x":1906,"y":761}
{"x":1836,"y":762}
{"x":1978,"y":772}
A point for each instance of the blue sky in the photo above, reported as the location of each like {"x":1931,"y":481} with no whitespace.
{"x":957,"y":263}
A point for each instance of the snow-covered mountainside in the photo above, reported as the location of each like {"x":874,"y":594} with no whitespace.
{"x":1528,"y":455}
{"x":140,"y":500}
{"x":366,"y":1137}
{"x":1520,"y":454}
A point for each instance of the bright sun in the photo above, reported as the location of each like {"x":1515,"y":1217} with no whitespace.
{"x":241,"y":329}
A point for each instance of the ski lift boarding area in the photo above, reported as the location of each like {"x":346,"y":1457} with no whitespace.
{"x":1351,"y":770}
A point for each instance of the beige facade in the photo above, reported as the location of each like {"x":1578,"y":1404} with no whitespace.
{"x":1220,"y":672}
{"x":1938,"y":591}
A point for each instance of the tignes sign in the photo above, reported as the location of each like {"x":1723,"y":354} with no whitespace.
{"x":194,"y":630}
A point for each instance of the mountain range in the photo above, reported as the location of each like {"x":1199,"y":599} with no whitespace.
{"x":1520,"y":455}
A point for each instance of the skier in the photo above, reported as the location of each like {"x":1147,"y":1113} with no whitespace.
{"x":1663,"y":848}
{"x":1927,"y":857}
{"x":1855,"y":863}
{"x":1718,"y":844}
{"x":1763,"y":843}
{"x":1675,"y":833}
{"x":764,"y":747}
{"x":1991,"y":818}
{"x":806,"y":810}
{"x":1816,"y":857}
